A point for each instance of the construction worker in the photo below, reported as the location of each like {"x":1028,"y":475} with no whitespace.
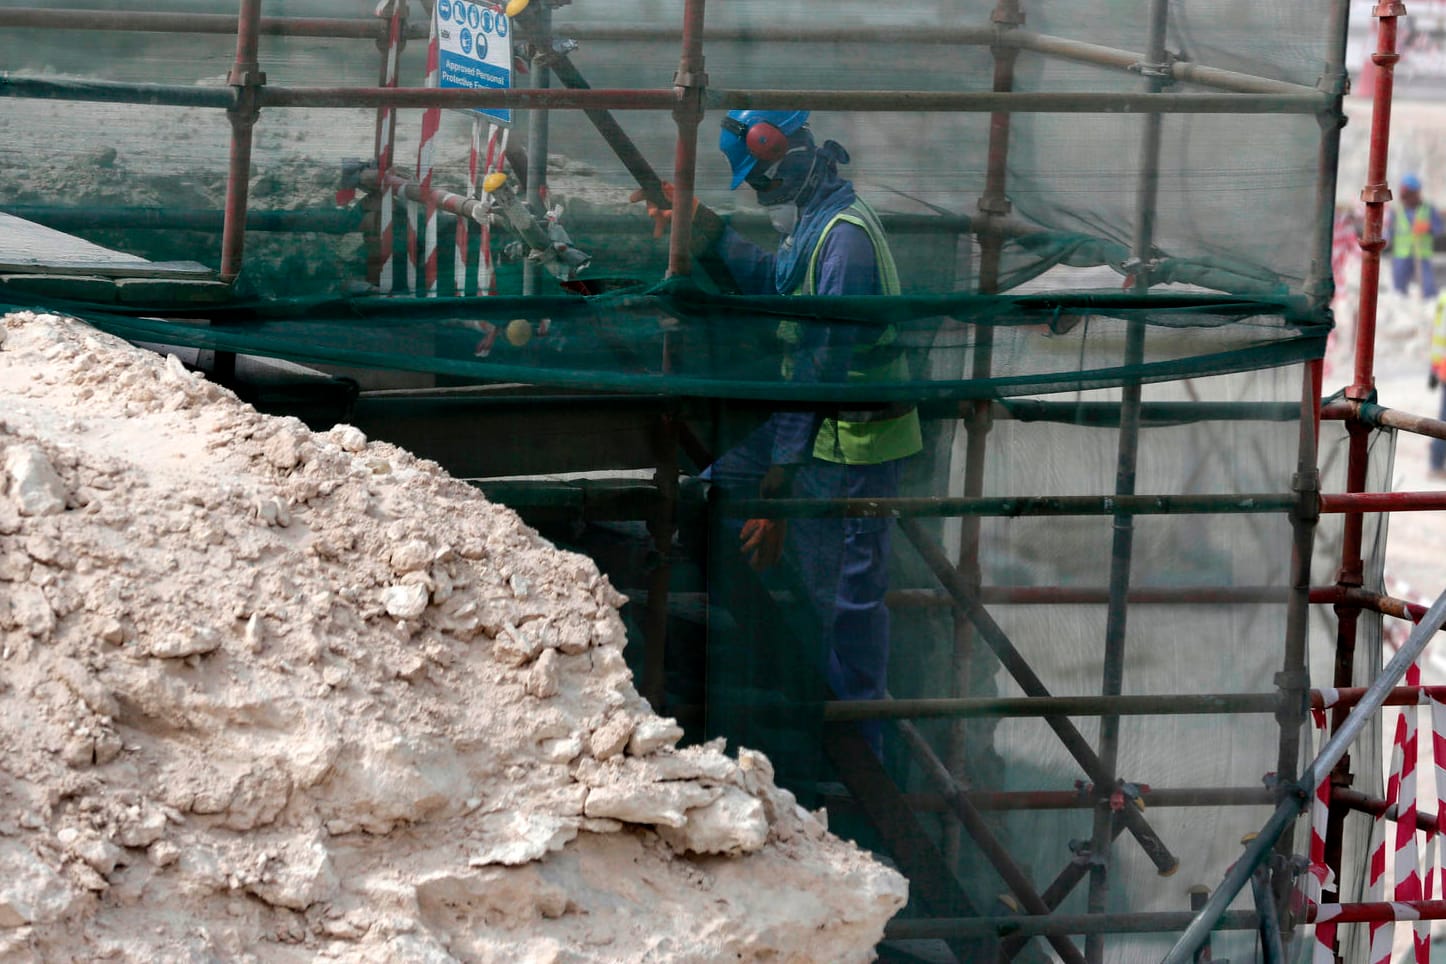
{"x":830,"y":243}
{"x":1411,"y":233}
{"x":1434,"y":379}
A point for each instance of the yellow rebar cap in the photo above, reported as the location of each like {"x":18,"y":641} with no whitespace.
{"x":516,"y":7}
{"x":493,"y":181}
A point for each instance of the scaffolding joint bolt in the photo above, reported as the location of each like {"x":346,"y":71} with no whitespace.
{"x":1008,"y":18}
{"x":690,"y":79}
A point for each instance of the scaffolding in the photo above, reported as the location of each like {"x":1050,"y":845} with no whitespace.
{"x":928,"y":804}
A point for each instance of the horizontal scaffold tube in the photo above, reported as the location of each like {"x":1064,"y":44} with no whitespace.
{"x":203,"y":23}
{"x":1380,"y":417}
{"x":1182,"y":704}
{"x":553,"y":98}
{"x":1163,"y":596}
{"x":1139,"y":922}
{"x":1006,"y":506}
{"x":1149,"y":922}
{"x":839,"y":711}
{"x":1078,"y":51}
{"x":1343,"y":502}
{"x":1356,"y":800}
{"x":375,"y":29}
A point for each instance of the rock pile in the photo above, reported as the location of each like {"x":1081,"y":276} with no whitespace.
{"x":272,"y":694}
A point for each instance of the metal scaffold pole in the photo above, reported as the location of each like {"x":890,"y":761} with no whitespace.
{"x":1351,"y":575}
{"x":1127,"y":458}
{"x":977,"y":421}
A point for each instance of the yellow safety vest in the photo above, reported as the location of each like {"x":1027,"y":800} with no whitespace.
{"x":892,"y":432}
{"x":1405,"y":243}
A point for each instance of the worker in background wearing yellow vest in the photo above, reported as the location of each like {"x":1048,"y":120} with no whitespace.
{"x":830,"y":243}
{"x":1411,"y":234}
{"x":1434,"y":380}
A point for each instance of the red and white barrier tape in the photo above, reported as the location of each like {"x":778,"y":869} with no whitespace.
{"x":386,"y":141}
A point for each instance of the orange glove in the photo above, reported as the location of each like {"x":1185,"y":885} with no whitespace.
{"x":662,"y":217}
{"x":761,"y":540}
{"x":1420,"y":227}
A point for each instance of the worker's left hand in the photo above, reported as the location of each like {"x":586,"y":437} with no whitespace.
{"x":761,"y":540}
{"x":1421,"y":227}
{"x":662,"y":217}
{"x":1432,"y":379}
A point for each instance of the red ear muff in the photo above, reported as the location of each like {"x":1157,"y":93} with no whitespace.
{"x":766,"y":142}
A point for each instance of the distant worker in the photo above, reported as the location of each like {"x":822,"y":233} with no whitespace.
{"x":1435,"y":379}
{"x":1411,"y":233}
{"x":831,"y":243}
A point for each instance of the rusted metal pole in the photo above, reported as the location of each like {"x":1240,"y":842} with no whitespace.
{"x":196,"y":23}
{"x":972,"y":820}
{"x":921,"y":101}
{"x":1379,"y":417}
{"x":246,"y":79}
{"x":977,"y":418}
{"x":1351,"y":575}
{"x":994,"y":636}
{"x":689,"y":85}
{"x":538,"y":121}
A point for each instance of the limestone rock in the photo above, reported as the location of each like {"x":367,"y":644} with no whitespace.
{"x":732,"y":824}
{"x":33,"y":482}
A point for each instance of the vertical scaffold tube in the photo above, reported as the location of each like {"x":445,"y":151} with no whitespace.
{"x":1127,"y":458}
{"x":1294,"y":679}
{"x":1008,"y":15}
{"x":245,"y":78}
{"x":383,"y":268}
{"x":1376,"y":194}
{"x":537,"y":128}
{"x":688,"y":87}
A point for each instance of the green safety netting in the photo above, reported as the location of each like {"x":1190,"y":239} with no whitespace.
{"x":1176,"y":247}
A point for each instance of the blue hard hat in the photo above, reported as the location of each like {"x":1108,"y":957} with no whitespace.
{"x":1410,"y":182}
{"x":733,"y":141}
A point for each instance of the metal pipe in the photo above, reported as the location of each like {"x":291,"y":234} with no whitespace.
{"x":1293,"y":681}
{"x":1301,"y":792}
{"x":690,"y":84}
{"x":1029,"y":681}
{"x":1126,"y":463}
{"x":537,"y":139}
{"x":1138,"y":922}
{"x":1096,"y":595}
{"x":652,"y":99}
{"x":660,"y":529}
{"x":1188,"y":704}
{"x":245,"y":81}
{"x":1020,"y":102}
{"x":999,"y":858}
{"x":1272,"y":949}
{"x":1009,"y":506}
{"x":380,"y":237}
{"x":1355,"y":800}
{"x":1079,"y":51}
{"x":993,"y":204}
{"x":1358,"y":502}
{"x":1377,"y":416}
{"x":195,"y":23}
{"x":317,"y":220}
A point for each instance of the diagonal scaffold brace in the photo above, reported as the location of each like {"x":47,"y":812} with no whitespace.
{"x":997,"y":640}
{"x":1299,"y":795}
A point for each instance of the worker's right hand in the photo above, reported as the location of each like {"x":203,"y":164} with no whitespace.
{"x":662,"y":217}
{"x":761,"y":540}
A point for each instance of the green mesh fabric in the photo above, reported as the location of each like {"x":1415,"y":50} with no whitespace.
{"x":1178,"y":248}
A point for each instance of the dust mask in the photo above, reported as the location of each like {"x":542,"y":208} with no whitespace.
{"x":783,"y":217}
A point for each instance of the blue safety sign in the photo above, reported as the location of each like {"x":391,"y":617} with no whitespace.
{"x":475,"y":50}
